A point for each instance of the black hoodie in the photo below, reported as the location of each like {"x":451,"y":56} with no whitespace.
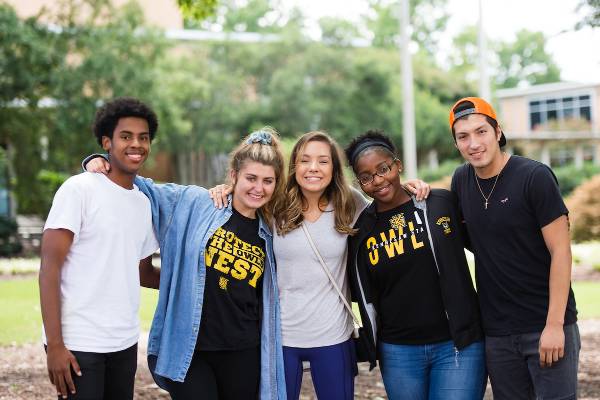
{"x":447,"y":238}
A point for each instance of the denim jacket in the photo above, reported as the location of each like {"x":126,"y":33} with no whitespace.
{"x":184,"y":219}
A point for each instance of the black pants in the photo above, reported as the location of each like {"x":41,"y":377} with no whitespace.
{"x":105,"y":376}
{"x":217,"y":375}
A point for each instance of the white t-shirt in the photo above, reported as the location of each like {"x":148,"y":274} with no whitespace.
{"x":312,"y":314}
{"x":100,"y":284}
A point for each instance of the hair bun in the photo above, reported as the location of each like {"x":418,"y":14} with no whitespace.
{"x":262,"y":136}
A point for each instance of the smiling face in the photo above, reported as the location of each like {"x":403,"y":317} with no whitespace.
{"x":386,"y":191}
{"x":477,"y":142}
{"x":129,"y":146}
{"x":253,"y":186}
{"x":314,"y":167}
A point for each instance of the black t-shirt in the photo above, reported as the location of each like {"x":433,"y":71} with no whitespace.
{"x":404,"y":278}
{"x":511,"y":258}
{"x":235,"y":259}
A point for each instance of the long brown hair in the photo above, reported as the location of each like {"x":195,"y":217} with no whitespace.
{"x":262,"y":146}
{"x":288,"y":212}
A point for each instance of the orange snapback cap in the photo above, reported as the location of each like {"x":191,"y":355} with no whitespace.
{"x":480,"y":106}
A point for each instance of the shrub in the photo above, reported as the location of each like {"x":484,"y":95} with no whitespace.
{"x":584,"y":211}
{"x":437,"y":174}
{"x":569,"y":176}
{"x":46,"y":185}
{"x":9,"y":242}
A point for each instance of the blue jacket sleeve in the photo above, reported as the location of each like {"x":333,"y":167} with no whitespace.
{"x":163,"y":201}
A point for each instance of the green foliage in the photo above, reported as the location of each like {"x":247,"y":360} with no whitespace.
{"x":337,"y":31}
{"x":198,"y":9}
{"x":46,"y":184}
{"x":25,"y":59}
{"x":209,"y":94}
{"x":463,"y":58}
{"x":584,"y":210}
{"x":9,"y":243}
{"x":428,"y":21}
{"x":445,"y":169}
{"x":592,"y":14}
{"x":569,"y":176}
{"x":235,"y":16}
{"x":91,"y":58}
{"x":525,"y":60}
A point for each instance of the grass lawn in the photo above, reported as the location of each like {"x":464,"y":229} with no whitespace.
{"x":587,"y":296}
{"x":21,"y":321}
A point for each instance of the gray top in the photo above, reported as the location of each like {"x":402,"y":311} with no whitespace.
{"x":312,"y":314}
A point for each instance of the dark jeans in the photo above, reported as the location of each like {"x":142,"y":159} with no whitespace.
{"x":105,"y":376}
{"x":513,"y":364}
{"x":215,"y":375}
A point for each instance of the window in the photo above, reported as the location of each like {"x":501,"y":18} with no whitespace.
{"x":569,"y":112}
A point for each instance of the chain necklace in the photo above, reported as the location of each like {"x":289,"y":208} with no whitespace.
{"x":487,"y":198}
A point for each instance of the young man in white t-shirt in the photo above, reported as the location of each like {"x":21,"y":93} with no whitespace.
{"x":96,"y":251}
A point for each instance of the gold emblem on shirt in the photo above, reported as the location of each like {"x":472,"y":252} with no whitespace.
{"x":444,"y":222}
{"x":223,"y":283}
{"x":398,"y":221}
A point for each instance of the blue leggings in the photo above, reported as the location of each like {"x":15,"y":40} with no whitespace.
{"x":332,"y":369}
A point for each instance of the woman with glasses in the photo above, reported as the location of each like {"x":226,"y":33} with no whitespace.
{"x":315,"y":326}
{"x":409,"y":275}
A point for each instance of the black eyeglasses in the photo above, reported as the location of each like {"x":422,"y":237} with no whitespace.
{"x":381,"y":171}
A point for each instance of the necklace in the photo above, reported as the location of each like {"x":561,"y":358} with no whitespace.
{"x":487,"y":198}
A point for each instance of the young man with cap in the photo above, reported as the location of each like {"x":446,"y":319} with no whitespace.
{"x":96,"y":250}
{"x":519,"y":231}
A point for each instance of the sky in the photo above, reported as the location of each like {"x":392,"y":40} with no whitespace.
{"x":576,"y":53}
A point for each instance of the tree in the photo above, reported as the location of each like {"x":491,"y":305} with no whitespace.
{"x":428,"y":21}
{"x":337,"y":31}
{"x":525,"y":60}
{"x":262,"y":16}
{"x":26,"y":65}
{"x":592,"y":16}
{"x":198,"y":9}
{"x":56,"y":77}
{"x":465,"y":53}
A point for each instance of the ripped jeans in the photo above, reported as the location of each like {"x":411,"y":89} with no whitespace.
{"x":433,"y":371}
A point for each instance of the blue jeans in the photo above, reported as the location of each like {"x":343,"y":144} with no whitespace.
{"x":515,"y":372}
{"x":332,"y":369}
{"x":435,"y":371}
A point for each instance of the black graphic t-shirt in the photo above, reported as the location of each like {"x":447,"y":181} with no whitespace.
{"x":235,"y":259}
{"x":512,"y":261}
{"x":404,"y":277}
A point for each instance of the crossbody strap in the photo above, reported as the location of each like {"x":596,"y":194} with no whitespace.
{"x":328,"y":273}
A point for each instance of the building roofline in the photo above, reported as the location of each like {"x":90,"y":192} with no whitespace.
{"x":543,"y":89}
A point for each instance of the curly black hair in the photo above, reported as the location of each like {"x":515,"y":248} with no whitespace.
{"x":107,"y":116}
{"x":369,"y":139}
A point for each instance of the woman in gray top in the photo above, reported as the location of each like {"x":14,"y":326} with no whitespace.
{"x":315,"y":325}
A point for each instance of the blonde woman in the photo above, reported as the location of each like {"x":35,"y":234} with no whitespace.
{"x":216,"y":331}
{"x":315,"y":325}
